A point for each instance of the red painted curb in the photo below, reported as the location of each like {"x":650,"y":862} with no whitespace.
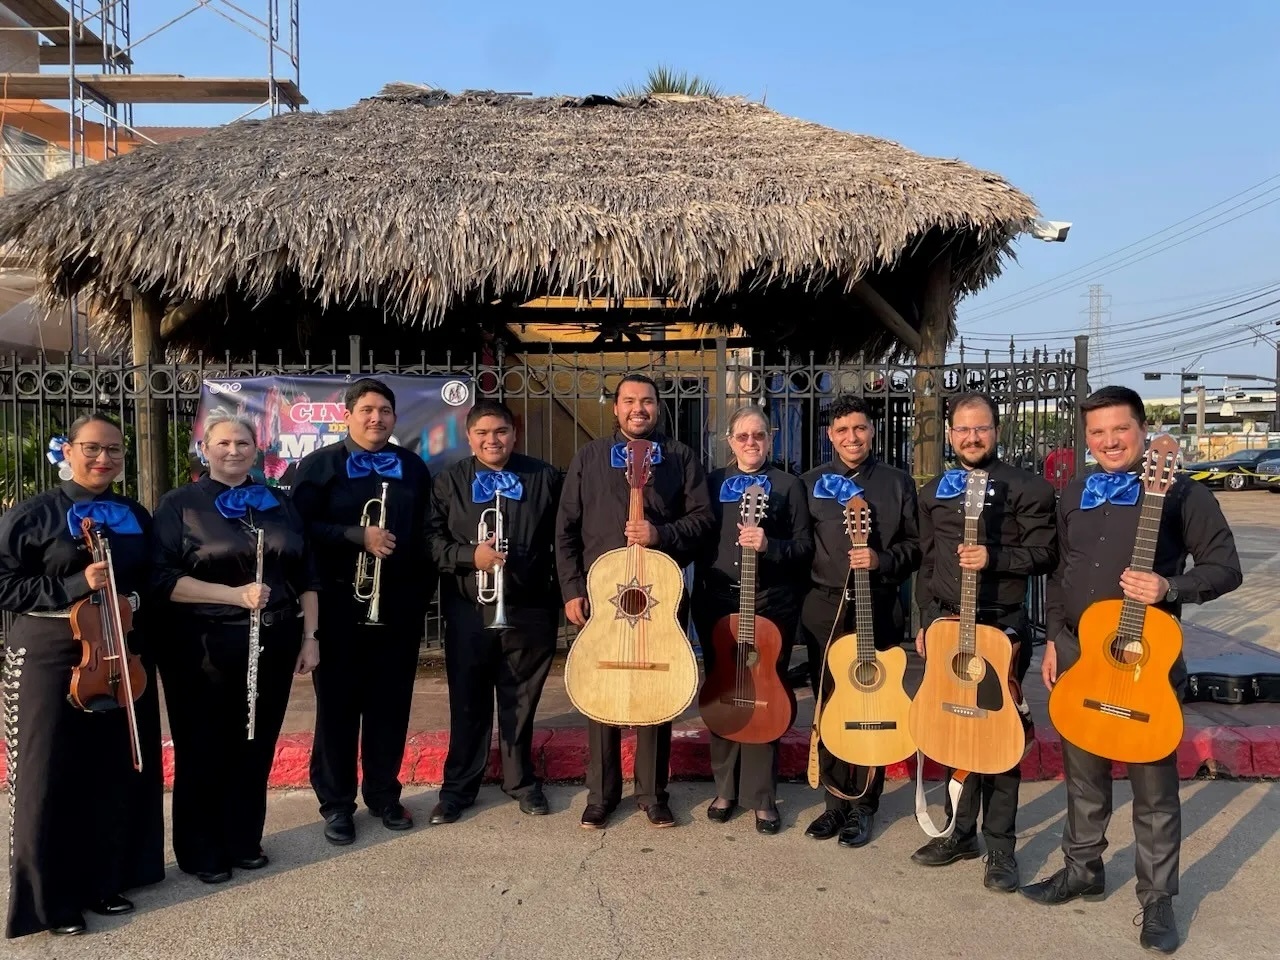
{"x":560,"y":755}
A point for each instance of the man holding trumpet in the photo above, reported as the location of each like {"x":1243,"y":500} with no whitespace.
{"x":492,"y":537}
{"x":367,"y":506}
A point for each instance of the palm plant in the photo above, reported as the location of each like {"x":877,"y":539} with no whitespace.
{"x":664,"y":79}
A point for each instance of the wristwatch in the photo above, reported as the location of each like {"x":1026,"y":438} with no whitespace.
{"x":1172,"y":593}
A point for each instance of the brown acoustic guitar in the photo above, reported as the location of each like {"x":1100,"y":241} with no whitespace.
{"x":743,"y":697}
{"x":964,"y":715}
{"x":631,"y":665}
{"x":1116,"y":701}
{"x":864,"y":721}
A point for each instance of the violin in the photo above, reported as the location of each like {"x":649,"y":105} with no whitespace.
{"x":108,"y":675}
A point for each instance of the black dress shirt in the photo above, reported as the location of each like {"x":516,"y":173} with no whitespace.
{"x":42,"y":563}
{"x":595,"y":505}
{"x":193,"y":539}
{"x":529,"y":573}
{"x":331,"y":504}
{"x":782,"y":571}
{"x":1016,"y":527}
{"x":1095,"y":546}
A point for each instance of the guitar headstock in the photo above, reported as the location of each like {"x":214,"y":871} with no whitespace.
{"x":1160,"y":465}
{"x":857,"y":521}
{"x":975,"y":494}
{"x":754,"y":503}
{"x":639,"y":463}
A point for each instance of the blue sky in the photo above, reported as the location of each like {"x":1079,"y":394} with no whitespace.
{"x":1122,"y":117}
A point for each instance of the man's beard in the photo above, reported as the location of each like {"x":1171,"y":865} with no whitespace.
{"x":975,"y":463}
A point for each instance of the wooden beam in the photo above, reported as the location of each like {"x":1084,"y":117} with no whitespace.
{"x":176,"y":316}
{"x":151,"y":415}
{"x":883,"y":311}
{"x":938,"y":307}
{"x":86,"y":54}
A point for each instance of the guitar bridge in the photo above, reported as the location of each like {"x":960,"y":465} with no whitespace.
{"x":1111,"y":710}
{"x":632,"y":665}
{"x":871,"y":725}
{"x":743,"y":702}
{"x":964,"y":710}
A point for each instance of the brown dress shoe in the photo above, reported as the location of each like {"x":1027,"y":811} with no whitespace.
{"x":596,"y":816}
{"x":659,"y":814}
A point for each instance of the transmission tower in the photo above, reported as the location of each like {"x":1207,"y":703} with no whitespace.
{"x":1099,"y":313}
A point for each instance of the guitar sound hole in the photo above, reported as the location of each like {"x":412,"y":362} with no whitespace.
{"x":633,"y":602}
{"x":1127,"y":651}
{"x":969,"y":668}
{"x":866,"y":674}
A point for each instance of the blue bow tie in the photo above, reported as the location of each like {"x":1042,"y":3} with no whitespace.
{"x":236,"y":502}
{"x":1118,"y":488}
{"x":952,"y":484}
{"x":618,"y":455}
{"x":487,"y":481}
{"x":733,"y":488}
{"x":832,"y":486}
{"x":361,"y":463}
{"x":116,"y":517}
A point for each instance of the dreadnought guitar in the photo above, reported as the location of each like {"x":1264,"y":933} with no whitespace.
{"x":743,"y":697}
{"x":964,"y":716}
{"x":864,"y":721}
{"x":1116,"y":701}
{"x":632,"y":665}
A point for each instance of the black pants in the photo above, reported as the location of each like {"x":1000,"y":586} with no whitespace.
{"x":743,"y":771}
{"x":513,"y":665}
{"x":220,"y":776}
{"x":364,"y":691}
{"x":816,"y":618}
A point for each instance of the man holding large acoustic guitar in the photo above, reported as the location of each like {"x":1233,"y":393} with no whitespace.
{"x":634,"y":511}
{"x":1113,"y":660}
{"x":1018,"y":542}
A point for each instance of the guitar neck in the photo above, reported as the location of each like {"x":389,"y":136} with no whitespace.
{"x":863,"y":620}
{"x":1133,"y":614}
{"x":747,"y":595}
{"x":636,"y":509}
{"x":969,"y":593}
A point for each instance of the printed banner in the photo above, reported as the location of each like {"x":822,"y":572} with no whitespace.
{"x":294,"y":415}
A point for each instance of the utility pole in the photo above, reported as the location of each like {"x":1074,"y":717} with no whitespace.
{"x":1199,"y":416}
{"x":1276,"y":416}
{"x":1097,"y":312}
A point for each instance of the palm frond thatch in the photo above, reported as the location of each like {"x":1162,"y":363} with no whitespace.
{"x":417,"y":201}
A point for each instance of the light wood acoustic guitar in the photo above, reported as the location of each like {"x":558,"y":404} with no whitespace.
{"x":632,"y":664}
{"x":964,"y":715}
{"x":743,"y":697}
{"x":864,"y":721}
{"x":1116,"y":701}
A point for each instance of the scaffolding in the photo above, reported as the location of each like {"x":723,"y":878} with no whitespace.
{"x":91,"y":47}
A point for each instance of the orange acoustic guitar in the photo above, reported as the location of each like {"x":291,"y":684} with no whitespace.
{"x":964,"y":716}
{"x":864,"y":722}
{"x":631,"y":664}
{"x":743,"y":698}
{"x":1116,"y":701}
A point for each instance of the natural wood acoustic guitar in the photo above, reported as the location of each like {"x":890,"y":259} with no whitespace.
{"x":631,"y":664}
{"x":743,"y":697}
{"x":864,"y":721}
{"x":1116,"y":701}
{"x":964,"y":715}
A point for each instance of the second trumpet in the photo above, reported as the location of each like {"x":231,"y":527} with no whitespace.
{"x":369,"y":587}
{"x":489,"y":584}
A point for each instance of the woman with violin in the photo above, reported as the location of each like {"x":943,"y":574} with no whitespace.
{"x":226,"y":586}
{"x":82,"y":719}
{"x":781,"y":548}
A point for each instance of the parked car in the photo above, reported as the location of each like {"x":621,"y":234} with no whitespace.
{"x":1269,"y":471}
{"x":1232,"y":472}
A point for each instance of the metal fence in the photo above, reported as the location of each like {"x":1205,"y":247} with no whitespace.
{"x":562,"y":400}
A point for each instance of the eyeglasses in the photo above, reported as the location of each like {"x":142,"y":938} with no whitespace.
{"x":978,"y":431}
{"x":94,"y":450}
{"x":759,"y":437}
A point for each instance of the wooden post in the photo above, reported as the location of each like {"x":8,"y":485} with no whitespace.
{"x":151,"y":416}
{"x":938,"y":307}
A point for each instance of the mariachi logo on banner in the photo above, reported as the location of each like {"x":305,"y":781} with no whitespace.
{"x":295,"y":415}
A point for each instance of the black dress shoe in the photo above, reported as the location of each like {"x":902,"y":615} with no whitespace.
{"x":535,"y":803}
{"x":253,"y":863}
{"x":721,"y":814}
{"x":445,"y":812}
{"x":1060,"y":888}
{"x":1001,"y":873}
{"x":768,"y":825}
{"x":659,"y":814}
{"x":941,"y":851}
{"x":214,"y":876}
{"x":396,"y":817}
{"x":111,"y":906}
{"x":857,"y":831}
{"x":68,"y":926}
{"x":596,"y":816}
{"x":1159,"y":929}
{"x":340,"y":829}
{"x":828,"y":824}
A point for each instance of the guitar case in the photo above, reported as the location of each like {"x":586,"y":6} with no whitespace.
{"x":1234,"y":678}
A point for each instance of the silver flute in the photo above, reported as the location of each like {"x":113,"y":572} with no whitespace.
{"x":255,"y":648}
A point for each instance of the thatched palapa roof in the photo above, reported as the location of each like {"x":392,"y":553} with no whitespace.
{"x":416,"y":203}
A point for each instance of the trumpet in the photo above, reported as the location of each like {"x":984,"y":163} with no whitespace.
{"x":489,"y":584}
{"x":369,"y":587}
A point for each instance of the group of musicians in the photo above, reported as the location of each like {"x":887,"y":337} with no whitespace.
{"x":194,"y":578}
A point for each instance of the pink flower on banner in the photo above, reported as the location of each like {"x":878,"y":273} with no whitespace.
{"x":274,"y":466}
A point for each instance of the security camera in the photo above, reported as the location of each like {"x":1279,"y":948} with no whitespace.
{"x":1050,"y":230}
